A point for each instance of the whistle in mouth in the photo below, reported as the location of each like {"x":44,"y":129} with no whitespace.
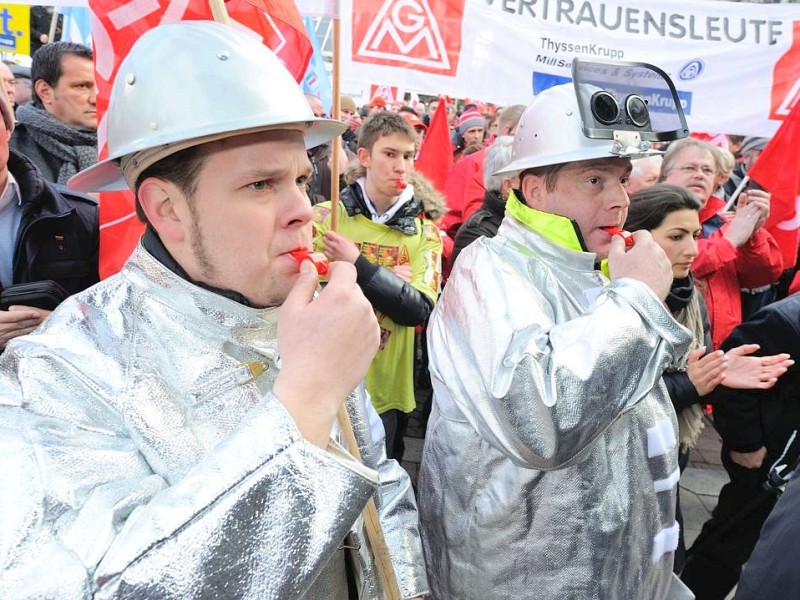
{"x":625,"y":235}
{"x":318,"y":259}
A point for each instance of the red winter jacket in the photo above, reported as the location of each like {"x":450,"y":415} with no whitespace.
{"x":721,"y":269}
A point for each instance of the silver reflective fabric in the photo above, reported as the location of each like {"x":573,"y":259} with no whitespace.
{"x":144,"y":456}
{"x":550,"y":463}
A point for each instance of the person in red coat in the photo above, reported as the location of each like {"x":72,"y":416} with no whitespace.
{"x":735,"y":252}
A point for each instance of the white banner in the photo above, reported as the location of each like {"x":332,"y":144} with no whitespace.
{"x":319,"y":8}
{"x":308,"y":8}
{"x":736,"y":66}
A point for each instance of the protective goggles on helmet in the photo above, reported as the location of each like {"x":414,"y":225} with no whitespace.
{"x":629,"y":102}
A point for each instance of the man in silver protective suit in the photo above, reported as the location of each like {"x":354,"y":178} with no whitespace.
{"x":170,"y":432}
{"x":550,"y":464}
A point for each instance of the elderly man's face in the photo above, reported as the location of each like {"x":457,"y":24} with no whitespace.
{"x":694,"y":168}
{"x":591,"y":193}
{"x":250,"y":210}
{"x":316,"y":106}
{"x":72,"y":99}
{"x":9,"y":82}
{"x":646,"y":172}
{"x":23,"y":90}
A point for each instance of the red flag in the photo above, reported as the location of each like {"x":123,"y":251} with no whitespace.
{"x":777,"y":170}
{"x":117,"y":24}
{"x":281,"y":28}
{"x":436,"y":153}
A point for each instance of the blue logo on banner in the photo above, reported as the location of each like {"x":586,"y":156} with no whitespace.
{"x":658,"y":100}
{"x":691,"y":70}
{"x":543,"y":81}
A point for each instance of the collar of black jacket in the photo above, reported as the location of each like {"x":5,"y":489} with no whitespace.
{"x":403,"y":221}
{"x":153,"y":244}
{"x":38,"y":196}
{"x":494,"y":202}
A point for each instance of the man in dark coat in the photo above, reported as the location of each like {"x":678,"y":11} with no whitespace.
{"x":757,"y":433}
{"x":57,"y":130}
{"x":486,"y":220}
{"x":47,"y":232}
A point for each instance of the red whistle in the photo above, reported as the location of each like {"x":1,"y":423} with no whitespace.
{"x":625,"y":235}
{"x":318,"y":259}
{"x":400,"y":185}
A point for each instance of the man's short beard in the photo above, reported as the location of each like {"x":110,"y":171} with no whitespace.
{"x":199,"y":247}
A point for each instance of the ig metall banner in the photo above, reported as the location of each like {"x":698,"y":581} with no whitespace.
{"x":736,"y":66}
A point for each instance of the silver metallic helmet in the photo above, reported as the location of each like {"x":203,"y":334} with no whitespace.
{"x":550,"y":132}
{"x":197,"y":81}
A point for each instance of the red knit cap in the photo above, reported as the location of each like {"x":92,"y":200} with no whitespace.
{"x":470,"y":118}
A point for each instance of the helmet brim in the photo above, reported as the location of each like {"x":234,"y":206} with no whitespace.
{"x":106,"y":176}
{"x":517,"y":166}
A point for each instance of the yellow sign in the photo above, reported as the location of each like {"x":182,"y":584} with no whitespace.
{"x":15,"y":28}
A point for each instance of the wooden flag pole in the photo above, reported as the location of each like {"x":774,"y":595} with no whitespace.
{"x":53,"y":24}
{"x":219,"y":11}
{"x":372,"y":523}
{"x":337,"y":142}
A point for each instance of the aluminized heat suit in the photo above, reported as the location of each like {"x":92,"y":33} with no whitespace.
{"x":550,"y":464}
{"x":144,"y":456}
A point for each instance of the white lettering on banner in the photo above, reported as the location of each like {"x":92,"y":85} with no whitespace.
{"x":648,"y":22}
{"x":409,"y":24}
{"x":588,"y":49}
{"x":695,"y":43}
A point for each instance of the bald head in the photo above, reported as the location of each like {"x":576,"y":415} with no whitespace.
{"x":316,"y":105}
{"x":8,"y":82}
{"x":645,"y":173}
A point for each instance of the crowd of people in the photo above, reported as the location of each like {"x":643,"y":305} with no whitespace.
{"x":216,"y":421}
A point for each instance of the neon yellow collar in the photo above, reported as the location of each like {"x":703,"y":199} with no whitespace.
{"x":559,"y":230}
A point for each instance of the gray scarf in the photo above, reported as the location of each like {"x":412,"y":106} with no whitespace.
{"x":77,"y":148}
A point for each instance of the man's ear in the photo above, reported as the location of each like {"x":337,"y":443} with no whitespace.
{"x":532,"y":188}
{"x":507,"y":186}
{"x":363,"y":157}
{"x":44,"y":91}
{"x":166,"y":209}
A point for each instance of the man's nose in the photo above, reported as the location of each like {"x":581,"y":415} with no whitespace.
{"x":298,"y":208}
{"x":617,"y":197}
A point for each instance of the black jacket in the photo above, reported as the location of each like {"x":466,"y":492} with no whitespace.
{"x":58,"y":236}
{"x":749,"y":419}
{"x":682,"y":392}
{"x":398,"y":300}
{"x":483,"y":223}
